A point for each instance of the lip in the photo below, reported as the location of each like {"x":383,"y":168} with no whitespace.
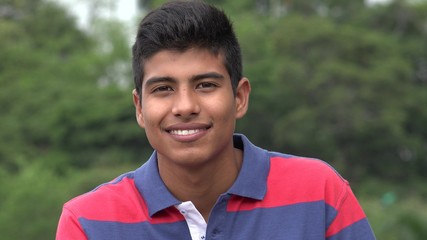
{"x":187,"y":132}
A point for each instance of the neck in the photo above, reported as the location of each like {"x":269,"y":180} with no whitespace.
{"x":202,"y":185}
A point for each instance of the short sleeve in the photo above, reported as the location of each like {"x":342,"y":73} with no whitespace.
{"x":69,"y":227}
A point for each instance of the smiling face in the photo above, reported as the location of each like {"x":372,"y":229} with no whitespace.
{"x":188,"y":108}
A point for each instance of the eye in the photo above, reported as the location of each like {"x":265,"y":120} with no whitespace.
{"x":162,"y":89}
{"x":204,"y":85}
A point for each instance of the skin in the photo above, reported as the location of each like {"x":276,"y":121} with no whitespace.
{"x":189,"y":112}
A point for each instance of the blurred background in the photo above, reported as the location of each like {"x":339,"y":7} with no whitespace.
{"x":344,"y":81}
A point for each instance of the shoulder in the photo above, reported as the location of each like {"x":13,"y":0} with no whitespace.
{"x":303,"y":167}
{"x":308,"y":179}
{"x":106,"y":200}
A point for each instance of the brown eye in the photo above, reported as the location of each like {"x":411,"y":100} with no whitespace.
{"x":206,"y":85}
{"x":162,"y":89}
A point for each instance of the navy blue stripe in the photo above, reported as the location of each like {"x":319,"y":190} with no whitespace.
{"x":297,"y":221}
{"x":106,"y":230}
{"x":356,"y":231}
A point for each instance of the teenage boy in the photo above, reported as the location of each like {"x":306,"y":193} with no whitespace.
{"x":203,"y":181}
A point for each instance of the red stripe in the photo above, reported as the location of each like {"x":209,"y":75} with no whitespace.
{"x":349,"y":213}
{"x":295,"y":180}
{"x":118,"y":202}
{"x":299,"y":180}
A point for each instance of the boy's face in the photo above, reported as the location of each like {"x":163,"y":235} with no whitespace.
{"x":187,"y":106}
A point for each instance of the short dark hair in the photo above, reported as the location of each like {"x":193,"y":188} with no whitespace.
{"x":181,"y":25}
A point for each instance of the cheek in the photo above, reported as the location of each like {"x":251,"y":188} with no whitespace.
{"x":151,"y":115}
{"x":224,"y":110}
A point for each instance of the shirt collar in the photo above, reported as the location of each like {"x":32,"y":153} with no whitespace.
{"x":152,"y":188}
{"x":251,"y":181}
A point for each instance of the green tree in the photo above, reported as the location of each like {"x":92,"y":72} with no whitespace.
{"x":339,"y":89}
{"x":64,"y":91}
{"x":67,"y":119}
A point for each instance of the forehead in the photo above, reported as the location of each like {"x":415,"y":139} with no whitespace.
{"x":181,"y":63}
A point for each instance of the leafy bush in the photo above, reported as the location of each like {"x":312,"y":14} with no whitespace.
{"x":403,"y":219}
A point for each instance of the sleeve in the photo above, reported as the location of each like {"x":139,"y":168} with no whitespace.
{"x":69,"y":227}
{"x":350,"y":222}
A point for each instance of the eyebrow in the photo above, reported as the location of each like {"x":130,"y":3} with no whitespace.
{"x":214,"y":75}
{"x":167,"y":79}
{"x":155,"y":80}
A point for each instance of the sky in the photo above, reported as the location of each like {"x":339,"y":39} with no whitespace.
{"x":124,"y":10}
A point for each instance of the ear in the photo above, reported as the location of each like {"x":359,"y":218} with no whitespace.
{"x":242,"y":97}
{"x":138,"y":109}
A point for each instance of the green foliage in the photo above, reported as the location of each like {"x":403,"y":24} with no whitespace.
{"x":395,"y":210}
{"x":66,"y":104}
{"x":338,"y":90}
{"x":405,"y":219}
{"x":64,"y":90}
{"x":31,"y":201}
{"x":344,"y":93}
{"x":30,"y":206}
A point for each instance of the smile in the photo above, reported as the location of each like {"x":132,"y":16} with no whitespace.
{"x":188,"y":132}
{"x":185,"y":132}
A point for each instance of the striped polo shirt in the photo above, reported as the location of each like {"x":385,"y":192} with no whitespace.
{"x":275,"y":196}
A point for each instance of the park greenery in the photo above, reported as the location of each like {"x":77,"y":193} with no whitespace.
{"x":344,"y":81}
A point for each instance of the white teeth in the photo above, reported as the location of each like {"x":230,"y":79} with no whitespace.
{"x":184,"y":132}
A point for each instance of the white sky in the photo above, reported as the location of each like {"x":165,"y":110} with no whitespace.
{"x":124,"y":10}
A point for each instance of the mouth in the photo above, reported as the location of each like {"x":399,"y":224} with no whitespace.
{"x":188,"y":133}
{"x":185,"y":132}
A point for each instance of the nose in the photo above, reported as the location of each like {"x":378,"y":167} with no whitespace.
{"x":186,"y":103}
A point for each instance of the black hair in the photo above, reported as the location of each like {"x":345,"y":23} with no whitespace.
{"x":181,"y":25}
